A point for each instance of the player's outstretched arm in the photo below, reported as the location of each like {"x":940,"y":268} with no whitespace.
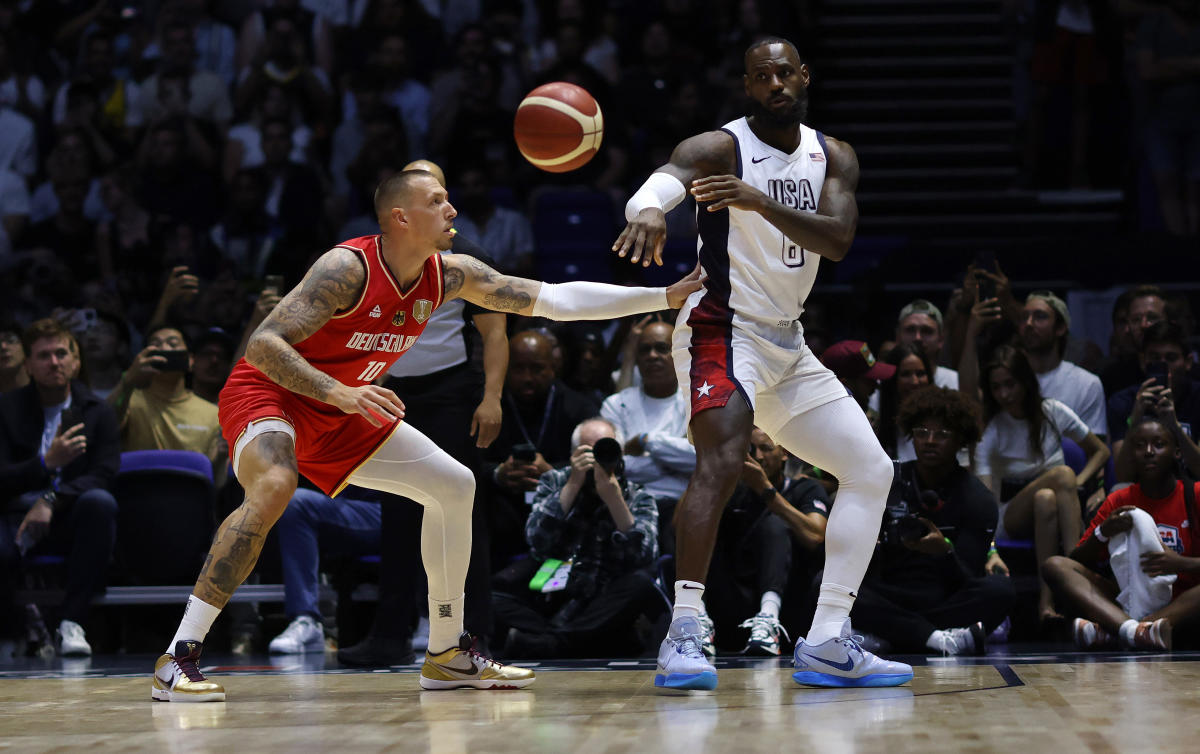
{"x":467,"y":277}
{"x":828,"y":232}
{"x":645,"y":233}
{"x":333,"y":283}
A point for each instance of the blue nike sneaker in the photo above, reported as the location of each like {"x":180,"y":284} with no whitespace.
{"x":681,"y":660}
{"x":842,"y":662}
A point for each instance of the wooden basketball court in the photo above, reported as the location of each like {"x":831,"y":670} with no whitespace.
{"x":1013,"y":703}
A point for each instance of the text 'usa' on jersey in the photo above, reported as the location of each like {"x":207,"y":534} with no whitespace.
{"x":765,"y":275}
{"x":358,"y":345}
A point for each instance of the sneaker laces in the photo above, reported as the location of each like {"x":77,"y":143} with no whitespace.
{"x":187,"y":666}
{"x":690,"y":645}
{"x":476,"y":656}
{"x":854,"y":641}
{"x":764,"y":628}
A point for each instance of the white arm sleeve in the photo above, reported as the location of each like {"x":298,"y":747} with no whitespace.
{"x":582,"y":299}
{"x":660,"y":190}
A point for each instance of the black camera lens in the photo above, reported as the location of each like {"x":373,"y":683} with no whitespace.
{"x":607,"y":453}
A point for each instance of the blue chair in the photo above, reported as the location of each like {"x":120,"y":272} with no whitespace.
{"x":166,"y":515}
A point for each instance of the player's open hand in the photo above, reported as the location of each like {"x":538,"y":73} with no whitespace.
{"x":643,"y":238}
{"x":725,"y":191}
{"x":376,"y":404}
{"x":678,"y":292}
{"x":1167,"y":562}
{"x":485,"y":423}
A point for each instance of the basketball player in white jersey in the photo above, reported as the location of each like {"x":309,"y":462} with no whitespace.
{"x":773,"y":197}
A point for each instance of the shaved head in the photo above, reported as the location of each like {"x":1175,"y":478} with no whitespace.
{"x":766,"y":41}
{"x":396,"y":190}
{"x":429,"y":167}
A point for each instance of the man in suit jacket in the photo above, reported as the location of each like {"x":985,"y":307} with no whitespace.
{"x":59,"y":449}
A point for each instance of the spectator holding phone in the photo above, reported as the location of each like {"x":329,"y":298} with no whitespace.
{"x":59,"y":450}
{"x":1148,"y":533}
{"x":1167,"y":393}
{"x":155,"y":407}
{"x":539,"y":414}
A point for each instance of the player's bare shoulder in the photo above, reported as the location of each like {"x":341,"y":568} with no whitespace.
{"x":843,"y":162}
{"x":705,"y":154}
{"x":334,"y":283}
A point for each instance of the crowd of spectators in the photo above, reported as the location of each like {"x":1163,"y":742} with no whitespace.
{"x":168,"y":170}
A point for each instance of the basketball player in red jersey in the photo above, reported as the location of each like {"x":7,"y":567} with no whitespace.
{"x":302,"y":401}
{"x":774,"y":196}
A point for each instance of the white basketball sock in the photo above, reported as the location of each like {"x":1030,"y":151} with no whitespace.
{"x":833,"y":608}
{"x":689,"y":599}
{"x":445,"y":623}
{"x":1127,"y":630}
{"x":770,"y":604}
{"x":198,"y":617}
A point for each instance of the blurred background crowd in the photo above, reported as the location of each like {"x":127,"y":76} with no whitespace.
{"x":1030,"y":191}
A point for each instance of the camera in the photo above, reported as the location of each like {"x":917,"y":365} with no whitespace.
{"x":906,"y":503}
{"x":1159,"y":372}
{"x":608,"y":455}
{"x":524,"y":452}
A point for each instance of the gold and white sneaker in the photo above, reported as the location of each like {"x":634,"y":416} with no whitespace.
{"x":177,"y":677}
{"x":463,"y":667}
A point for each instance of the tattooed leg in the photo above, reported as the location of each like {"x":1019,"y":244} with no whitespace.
{"x":268,"y":473}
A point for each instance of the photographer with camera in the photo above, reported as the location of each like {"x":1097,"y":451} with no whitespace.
{"x":1167,"y":393}
{"x":593,"y":539}
{"x":155,"y":407}
{"x":58,"y":452}
{"x":935,"y":582}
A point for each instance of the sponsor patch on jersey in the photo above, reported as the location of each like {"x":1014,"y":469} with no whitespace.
{"x":398,"y":319}
{"x":422,"y":309}
{"x":816,"y":156}
{"x":376,"y":312}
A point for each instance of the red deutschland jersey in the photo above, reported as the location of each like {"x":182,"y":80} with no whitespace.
{"x":355,"y":347}
{"x":1169,"y":513}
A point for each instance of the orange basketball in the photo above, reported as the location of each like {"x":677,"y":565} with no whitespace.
{"x":558,"y":127}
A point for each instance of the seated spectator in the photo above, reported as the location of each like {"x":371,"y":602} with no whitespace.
{"x":935,"y":582}
{"x":654,"y":417}
{"x":13,"y":374}
{"x":1020,"y":458}
{"x":68,"y":233}
{"x":386,"y":79}
{"x":1166,"y":366}
{"x":1146,"y":305}
{"x":857,"y":369}
{"x":583,"y":361}
{"x":243,"y":146}
{"x":539,"y":414}
{"x":175,"y":174}
{"x":71,"y":155}
{"x":505,"y":233}
{"x":752,"y":563}
{"x":913,"y":370}
{"x":312,"y":524}
{"x":594,"y":534}
{"x":59,"y":450}
{"x":116,"y":98}
{"x":156,"y":409}
{"x":283,"y":58}
{"x":920,"y":324}
{"x":212,"y":360}
{"x":1043,"y":333}
{"x":177,"y":87}
{"x":1149,"y":535}
{"x":105,"y":346}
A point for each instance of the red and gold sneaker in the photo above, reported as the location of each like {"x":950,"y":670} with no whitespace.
{"x":1089,"y":635}
{"x":177,"y":677}
{"x":463,"y":667}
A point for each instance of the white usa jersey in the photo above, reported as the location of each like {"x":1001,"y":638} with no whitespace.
{"x":759,"y":276}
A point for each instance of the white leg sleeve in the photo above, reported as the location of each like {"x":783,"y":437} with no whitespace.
{"x":837,"y":438}
{"x":409,"y":464}
{"x":1140,"y":594}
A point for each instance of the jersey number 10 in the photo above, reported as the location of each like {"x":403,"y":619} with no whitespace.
{"x":373,"y":370}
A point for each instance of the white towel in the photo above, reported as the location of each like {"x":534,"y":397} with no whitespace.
{"x":1140,"y":594}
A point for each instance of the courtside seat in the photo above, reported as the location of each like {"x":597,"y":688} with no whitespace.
{"x":165,"y":517}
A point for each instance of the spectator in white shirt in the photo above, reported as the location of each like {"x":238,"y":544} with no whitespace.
{"x":654,"y":416}
{"x":1044,"y":327}
{"x":1020,"y":458}
{"x":920,"y":324}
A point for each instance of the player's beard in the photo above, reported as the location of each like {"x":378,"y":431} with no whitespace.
{"x":787,"y":119}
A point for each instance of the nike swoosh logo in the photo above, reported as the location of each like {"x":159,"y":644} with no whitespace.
{"x":694,"y":588}
{"x":846,"y":666}
{"x":473,"y":671}
{"x":759,"y":159}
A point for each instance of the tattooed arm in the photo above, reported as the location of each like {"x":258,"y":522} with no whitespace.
{"x":467,"y":277}
{"x":334,"y":283}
